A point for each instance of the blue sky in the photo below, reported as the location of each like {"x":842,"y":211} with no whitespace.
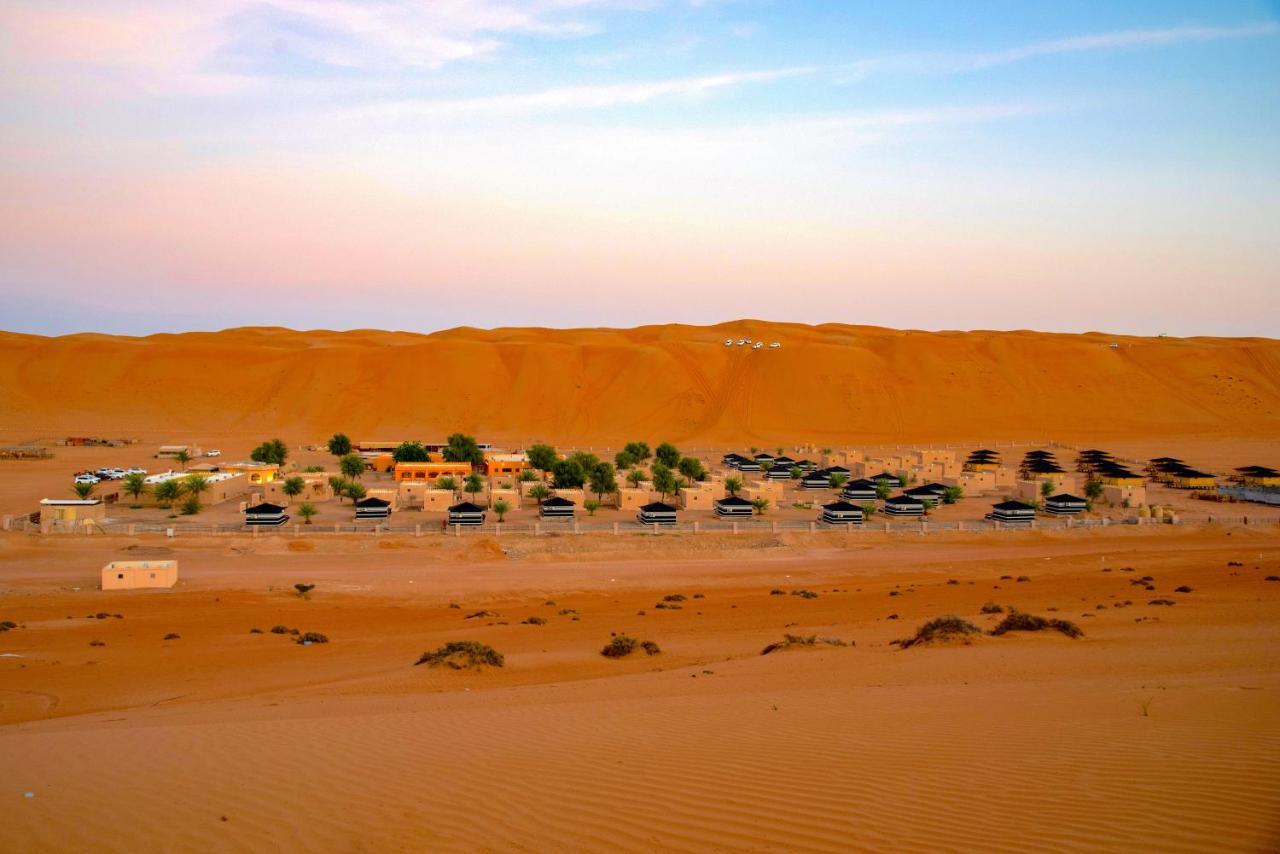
{"x":349,"y":164}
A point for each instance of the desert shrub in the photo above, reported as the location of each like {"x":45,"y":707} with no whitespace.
{"x":952,"y":581}
{"x":941,"y":629}
{"x":533,"y":621}
{"x":550,"y":603}
{"x":1019,"y":622}
{"x":674,"y":597}
{"x":280,"y":630}
{"x":1183,"y":589}
{"x":992,"y":608}
{"x":1022,"y":578}
{"x":804,"y":594}
{"x":459,"y":655}
{"x":97,"y":643}
{"x":623,"y":645}
{"x":566,"y":612}
{"x":1272,"y":578}
{"x":304,"y":589}
{"x":1162,"y":602}
{"x":312,"y":637}
{"x":255,"y":631}
{"x":172,"y":636}
{"x":1006,"y":578}
{"x":7,"y":624}
{"x":801,"y":640}
{"x":1234,"y":563}
{"x":455,"y":605}
{"x":776,"y":592}
{"x":481,"y":614}
{"x":668,"y":606}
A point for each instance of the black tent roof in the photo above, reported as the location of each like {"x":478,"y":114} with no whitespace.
{"x":657,"y":507}
{"x":903,"y":499}
{"x":733,"y":501}
{"x":861,"y":483}
{"x":1013,"y":505}
{"x":1066,"y":496}
{"x":1259,"y":471}
{"x":264,"y":507}
{"x":841,"y":506}
{"x":373,"y":501}
{"x":466,"y":507}
{"x":556,"y":501}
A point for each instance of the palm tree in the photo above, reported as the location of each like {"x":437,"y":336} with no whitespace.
{"x":135,"y":484}
{"x":306,"y":510}
{"x":183,"y":457}
{"x":540,"y":493}
{"x":193,"y":485}
{"x":167,"y":492}
{"x":83,"y":490}
{"x":837,"y":480}
{"x":732,"y":485}
{"x":760,"y":504}
{"x":338,"y":485}
{"x":293,"y":486}
{"x":501,"y":507}
{"x":527,"y":476}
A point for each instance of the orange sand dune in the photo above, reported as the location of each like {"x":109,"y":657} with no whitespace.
{"x":829,"y":384}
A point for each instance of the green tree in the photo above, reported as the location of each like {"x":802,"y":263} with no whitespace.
{"x":473,"y":485}
{"x":273,"y":452}
{"x":663,"y":480}
{"x":540,"y":493}
{"x":732,"y":485}
{"x":760,"y":505}
{"x":461,"y":448}
{"x":868,"y":510}
{"x":293,"y":486}
{"x":1046,"y":488}
{"x":339,"y":486}
{"x":952,"y":494}
{"x":306,"y":510}
{"x":356,"y":491}
{"x":183,"y":457}
{"x":624,"y":460}
{"x":638,"y":451}
{"x":668,"y":454}
{"x":447,"y":483}
{"x":766,"y":466}
{"x":83,"y":490}
{"x":501,"y":507}
{"x":351,"y":465}
{"x":527,"y":476}
{"x":837,"y":479}
{"x":339,"y":446}
{"x":410,"y":452}
{"x":591,"y":506}
{"x":196,"y":484}
{"x":167,"y":491}
{"x":691,"y":467}
{"x":135,"y":484}
{"x":567,"y":474}
{"x":1093,"y":489}
{"x":635,"y":477}
{"x":542,"y":457}
{"x":602,"y":480}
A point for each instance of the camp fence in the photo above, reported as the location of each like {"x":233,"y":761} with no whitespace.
{"x":604,"y":527}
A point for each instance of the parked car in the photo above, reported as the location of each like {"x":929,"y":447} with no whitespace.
{"x":728,"y":342}
{"x":87,"y":478}
{"x":135,"y":470}
{"x":213,"y":453}
{"x":775,"y":345}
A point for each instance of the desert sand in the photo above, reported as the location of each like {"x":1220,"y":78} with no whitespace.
{"x":826,"y":384}
{"x":1154,"y":731}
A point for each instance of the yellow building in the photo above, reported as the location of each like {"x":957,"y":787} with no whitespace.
{"x":505,"y":465}
{"x":255,"y":472}
{"x":72,"y":510}
{"x":1192,"y":479}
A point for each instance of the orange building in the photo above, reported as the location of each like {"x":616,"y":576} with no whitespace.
{"x":430,"y":472}
{"x":505,"y":465}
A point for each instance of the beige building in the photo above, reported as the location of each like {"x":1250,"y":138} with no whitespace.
{"x":171,"y":452}
{"x":423,"y":496}
{"x":257,"y":473}
{"x":696,"y":499}
{"x":316,"y":488}
{"x":1135,"y":495}
{"x":72,"y":510}
{"x":634,"y":499}
{"x":138,"y":574}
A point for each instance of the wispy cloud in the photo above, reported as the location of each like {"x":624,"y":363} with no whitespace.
{"x":586,"y":97}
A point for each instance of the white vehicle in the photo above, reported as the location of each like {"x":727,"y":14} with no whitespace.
{"x":86,"y":478}
{"x":741,"y":341}
{"x":728,"y":342}
{"x":775,"y":345}
{"x":213,"y":453}
{"x":757,"y":345}
{"x":135,"y":470}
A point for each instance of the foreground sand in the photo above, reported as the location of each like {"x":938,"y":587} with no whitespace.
{"x":223,"y":740}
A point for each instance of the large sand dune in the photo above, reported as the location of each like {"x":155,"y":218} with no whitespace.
{"x":826,"y":384}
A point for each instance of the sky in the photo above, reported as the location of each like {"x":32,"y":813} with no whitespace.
{"x":346,"y":164}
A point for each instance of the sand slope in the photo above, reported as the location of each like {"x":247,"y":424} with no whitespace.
{"x":831,"y":383}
